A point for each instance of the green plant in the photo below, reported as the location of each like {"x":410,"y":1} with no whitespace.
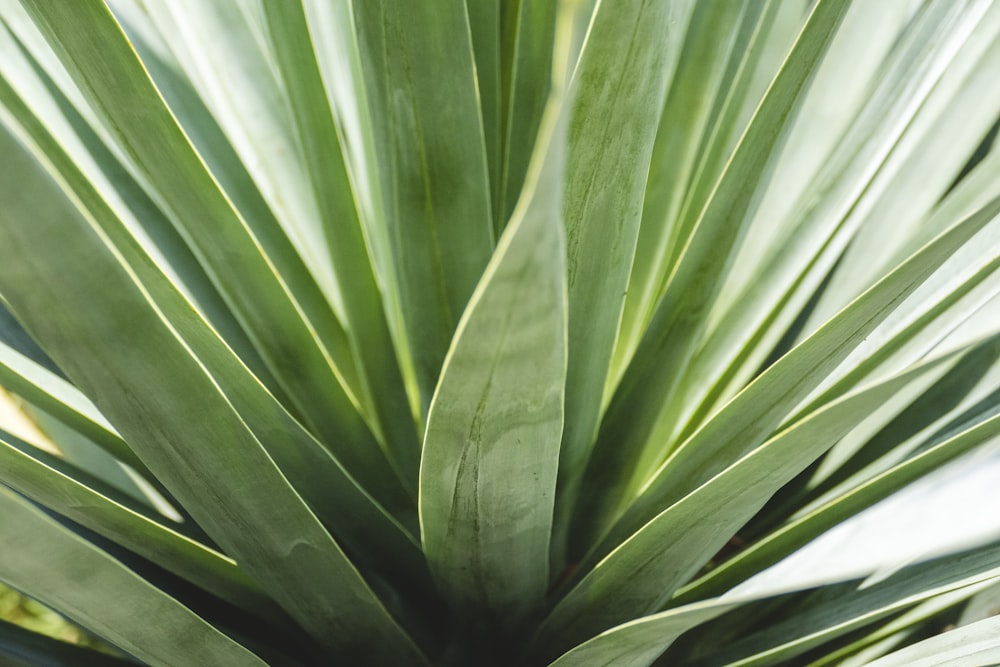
{"x":469,"y":332}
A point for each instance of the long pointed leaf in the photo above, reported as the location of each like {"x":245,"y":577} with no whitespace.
{"x":108,"y":69}
{"x":420,"y":79}
{"x":648,"y":384}
{"x":162,"y":400}
{"x":617,"y":92}
{"x":59,"y":487}
{"x":54,"y":566}
{"x":491,"y":452}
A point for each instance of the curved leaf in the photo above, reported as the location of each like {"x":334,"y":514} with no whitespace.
{"x":491,"y":452}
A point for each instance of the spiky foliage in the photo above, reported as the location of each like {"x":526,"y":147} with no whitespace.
{"x":469,"y":332}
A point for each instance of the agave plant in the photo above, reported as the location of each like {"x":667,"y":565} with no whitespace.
{"x":466,"y":332}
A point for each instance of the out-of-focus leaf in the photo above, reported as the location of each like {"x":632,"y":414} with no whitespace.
{"x":974,"y":645}
{"x":59,"y":487}
{"x":24,"y":648}
{"x":57,"y":568}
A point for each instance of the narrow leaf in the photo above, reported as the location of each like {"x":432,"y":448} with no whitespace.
{"x":166,"y":405}
{"x":57,"y":568}
{"x":491,"y":451}
{"x":432,"y":165}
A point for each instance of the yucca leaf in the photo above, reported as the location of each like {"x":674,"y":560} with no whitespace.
{"x":645,"y":570}
{"x":60,"y":487}
{"x":367,"y":328}
{"x":35,"y":83}
{"x":693,"y":136}
{"x":947,"y":446}
{"x":265,"y":521}
{"x":945,"y":130}
{"x":62,"y":400}
{"x":496,"y":331}
{"x":949,"y":297}
{"x":933,"y":405}
{"x":823,"y":615}
{"x":623,"y":456}
{"x":641,"y":641}
{"x":267,"y":308}
{"x":974,"y":645}
{"x":782,"y":267}
{"x":432,"y":166}
{"x":527,"y":33}
{"x":485,"y":30}
{"x":617,"y":94}
{"x":14,"y":337}
{"x":58,"y":568}
{"x":386,"y":487}
{"x":24,"y":648}
{"x":900,"y":629}
{"x":760,"y":407}
{"x":638,"y":643}
{"x":491,"y":452}
{"x":365,"y":527}
{"x":225,"y":53}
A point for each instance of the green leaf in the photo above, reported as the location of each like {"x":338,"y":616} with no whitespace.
{"x":932,"y":405}
{"x":722,"y":47}
{"x":273,"y":313}
{"x":946,"y":128}
{"x":14,"y":337}
{"x":164,"y":402}
{"x":968,"y":432}
{"x":367,"y":328}
{"x":62,"y":400}
{"x":526,"y":37}
{"x":432,"y":165}
{"x":57,"y":568}
{"x":804,"y":224}
{"x":382,"y":485}
{"x":617,"y":93}
{"x":832,"y":612}
{"x":639,"y":642}
{"x":753,"y":414}
{"x":624,"y":455}
{"x":485,"y":29}
{"x":34,"y":82}
{"x":61,"y":488}
{"x":491,"y":451}
{"x":642,"y":573}
{"x":365,"y":527}
{"x":973,"y":645}
{"x":24,"y":648}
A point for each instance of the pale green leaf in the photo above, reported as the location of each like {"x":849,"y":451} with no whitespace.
{"x":163,"y":401}
{"x":974,"y":645}
{"x":491,"y":451}
{"x":623,"y":455}
{"x":54,"y":566}
{"x":431,"y":164}
{"x":617,"y":93}
{"x":642,"y":573}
